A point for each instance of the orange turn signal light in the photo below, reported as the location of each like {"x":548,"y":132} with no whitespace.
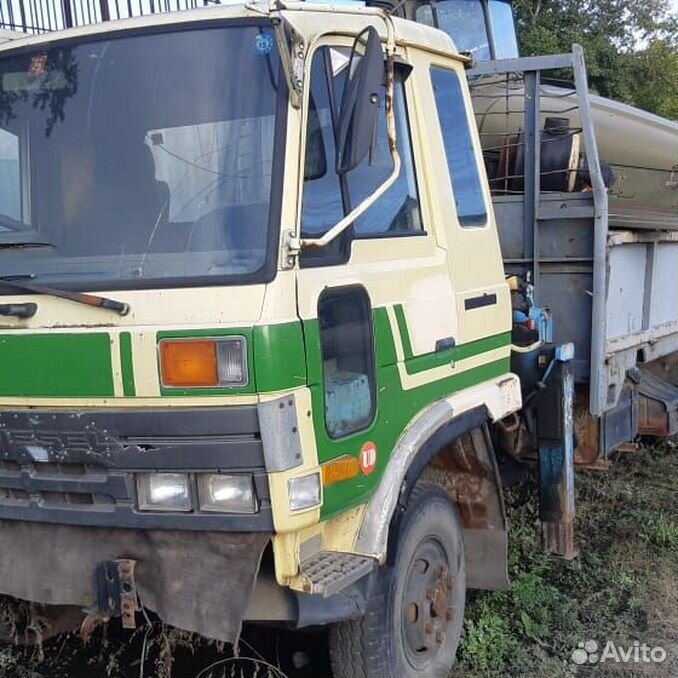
{"x":340,"y":469}
{"x":189,"y":362}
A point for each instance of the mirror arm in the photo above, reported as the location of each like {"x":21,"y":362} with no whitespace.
{"x":356,"y":212}
{"x":297,"y":244}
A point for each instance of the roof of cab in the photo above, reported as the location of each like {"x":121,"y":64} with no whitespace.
{"x":310,"y":17}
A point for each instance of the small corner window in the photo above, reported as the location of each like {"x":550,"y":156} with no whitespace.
{"x":328,"y":196}
{"x":463,"y":21}
{"x":347,"y":349}
{"x":503,"y":30}
{"x":462,"y":162}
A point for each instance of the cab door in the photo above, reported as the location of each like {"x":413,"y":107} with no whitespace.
{"x":377,"y":304}
{"x":483,"y":301}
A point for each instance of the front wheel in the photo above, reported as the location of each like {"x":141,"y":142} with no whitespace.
{"x":414,"y":617}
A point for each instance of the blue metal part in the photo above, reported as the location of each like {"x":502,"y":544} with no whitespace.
{"x":556,"y":460}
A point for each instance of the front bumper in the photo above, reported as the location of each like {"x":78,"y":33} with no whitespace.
{"x":77,"y":468}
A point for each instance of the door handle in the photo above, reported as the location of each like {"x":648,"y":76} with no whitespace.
{"x":445,"y":344}
{"x":481,"y":301}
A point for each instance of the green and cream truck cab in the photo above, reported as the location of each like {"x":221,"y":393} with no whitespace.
{"x":257,"y":342}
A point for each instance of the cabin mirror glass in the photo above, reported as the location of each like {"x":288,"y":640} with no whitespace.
{"x":360,"y":101}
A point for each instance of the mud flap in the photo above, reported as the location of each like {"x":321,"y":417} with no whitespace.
{"x":196,"y":581}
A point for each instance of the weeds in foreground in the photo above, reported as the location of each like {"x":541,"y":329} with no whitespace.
{"x":627,"y":523}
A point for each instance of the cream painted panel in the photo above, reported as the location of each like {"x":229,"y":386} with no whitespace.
{"x":475,"y":261}
{"x":337,"y":534}
{"x":145,"y":363}
{"x":387,"y":282}
{"x":280,"y":303}
{"x":486,"y":321}
{"x":429,"y":314}
{"x":116,"y":364}
{"x":170,"y":308}
{"x":284,"y":520}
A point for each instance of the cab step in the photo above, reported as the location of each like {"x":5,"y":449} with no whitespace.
{"x":330,"y":572}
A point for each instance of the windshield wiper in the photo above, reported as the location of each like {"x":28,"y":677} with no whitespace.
{"x":28,"y":310}
{"x":24,"y":243}
{"x":23,"y":238}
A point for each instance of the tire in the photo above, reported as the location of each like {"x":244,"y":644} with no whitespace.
{"x":415,"y":615}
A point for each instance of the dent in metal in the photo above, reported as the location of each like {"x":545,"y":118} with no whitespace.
{"x":280,"y":434}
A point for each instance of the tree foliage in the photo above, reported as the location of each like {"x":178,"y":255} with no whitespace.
{"x":631,"y":46}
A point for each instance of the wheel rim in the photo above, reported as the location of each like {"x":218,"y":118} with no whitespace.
{"x":428,"y":606}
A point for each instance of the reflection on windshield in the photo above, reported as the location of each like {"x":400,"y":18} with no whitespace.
{"x":142,"y":158}
{"x":503,"y":30}
{"x":463,"y":21}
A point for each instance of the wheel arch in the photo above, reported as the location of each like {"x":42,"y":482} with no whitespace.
{"x":450,"y":447}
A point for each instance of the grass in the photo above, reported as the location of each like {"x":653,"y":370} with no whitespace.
{"x":622,"y":587}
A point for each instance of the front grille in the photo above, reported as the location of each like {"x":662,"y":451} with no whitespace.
{"x":11,"y":496}
{"x":79,"y":468}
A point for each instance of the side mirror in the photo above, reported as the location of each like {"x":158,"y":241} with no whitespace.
{"x":360,"y":101}
{"x":315,"y":164}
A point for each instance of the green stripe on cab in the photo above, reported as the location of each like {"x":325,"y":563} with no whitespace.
{"x":56,"y":365}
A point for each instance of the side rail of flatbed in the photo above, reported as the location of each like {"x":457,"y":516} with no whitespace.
{"x":612,"y":290}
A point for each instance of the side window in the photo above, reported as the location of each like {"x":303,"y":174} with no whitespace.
{"x":347,"y":347}
{"x":10,"y":176}
{"x":461,"y":158}
{"x":328,"y":196}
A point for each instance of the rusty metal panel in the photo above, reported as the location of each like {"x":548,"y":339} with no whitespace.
{"x":657,"y":406}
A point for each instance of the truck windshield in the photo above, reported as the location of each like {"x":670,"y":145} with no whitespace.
{"x":145,"y":160}
{"x":466,"y":22}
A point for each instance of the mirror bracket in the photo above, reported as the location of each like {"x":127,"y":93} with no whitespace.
{"x":292,"y":50}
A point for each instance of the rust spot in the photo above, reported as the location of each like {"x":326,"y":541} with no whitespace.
{"x":464,"y":470}
{"x":587,"y":431}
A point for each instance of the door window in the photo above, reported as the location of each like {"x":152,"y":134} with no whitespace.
{"x":347,"y":348}
{"x":329,"y":196}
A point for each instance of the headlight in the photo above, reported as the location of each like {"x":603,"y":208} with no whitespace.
{"x":304,"y":492}
{"x":205,"y":362}
{"x":163,"y":492}
{"x":228,"y":494}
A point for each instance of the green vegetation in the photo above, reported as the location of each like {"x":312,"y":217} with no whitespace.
{"x":623,"y":587}
{"x":631,"y":45}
